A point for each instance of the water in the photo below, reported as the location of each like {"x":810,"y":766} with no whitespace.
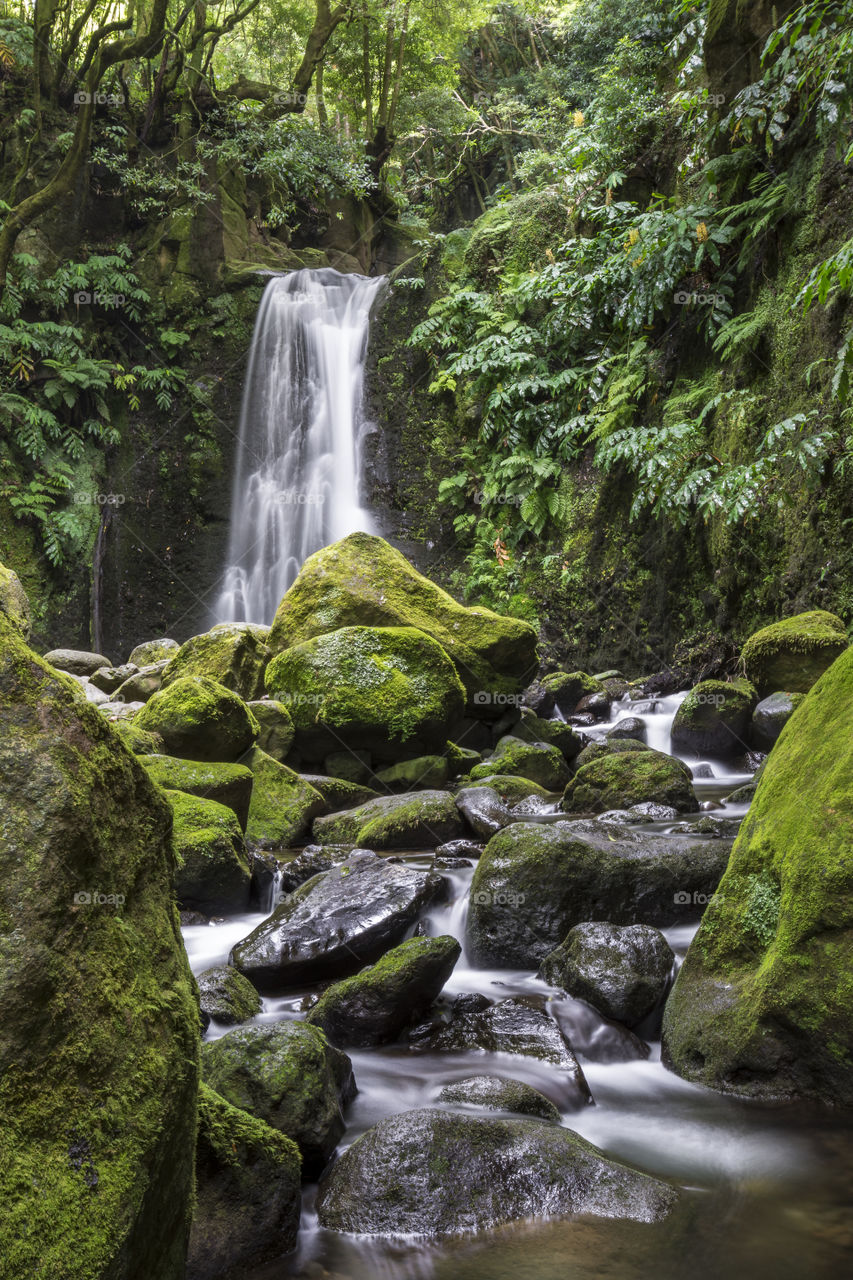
{"x":302,"y":422}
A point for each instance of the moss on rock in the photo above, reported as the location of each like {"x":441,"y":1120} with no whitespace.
{"x":568,"y":687}
{"x":213,"y":873}
{"x":226,"y":996}
{"x":228,"y":784}
{"x":714,"y":718}
{"x":537,"y":761}
{"x":233,"y":655}
{"x":199,"y":720}
{"x":14,"y":603}
{"x":620,"y":779}
{"x":420,"y":820}
{"x":283,"y":803}
{"x":792,"y":654}
{"x":276,"y":727}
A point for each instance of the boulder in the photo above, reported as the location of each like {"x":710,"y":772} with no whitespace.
{"x":14,"y":603}
{"x":142,"y":684}
{"x":497,"y":1094}
{"x":761,"y":1005}
{"x":199,"y":719}
{"x":512,"y":789}
{"x":337,"y":922}
{"x":434,"y":1172}
{"x":139,"y":741}
{"x":339,"y":794}
{"x":618,"y":780}
{"x":109,"y":679}
{"x":483,"y":810}
{"x":462,"y":849}
{"x":232,"y":655}
{"x":770,"y":717}
{"x":630,"y":728}
{"x":461,"y":759}
{"x":277,"y":733}
{"x":228,"y":784}
{"x":213,"y":874}
{"x":226,"y":996}
{"x":376,"y":1005}
{"x":288,"y":1075}
{"x":713,"y":720}
{"x":622,"y":970}
{"x":99,"y":1032}
{"x":312,"y":861}
{"x":283,"y":803}
{"x":537,"y":761}
{"x":610,"y":747}
{"x":535,"y":882}
{"x":248,"y":1192}
{"x":352,"y":766}
{"x":77,"y":662}
{"x":555,"y":733}
{"x":152,"y":651}
{"x":385,"y":690}
{"x":567,"y":689}
{"x":424,"y":772}
{"x":420,"y":820}
{"x":793,"y":653}
{"x":594,"y":705}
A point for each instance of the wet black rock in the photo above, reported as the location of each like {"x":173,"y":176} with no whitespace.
{"x":483,"y":810}
{"x":459,"y":849}
{"x":623,"y":971}
{"x":497,"y":1094}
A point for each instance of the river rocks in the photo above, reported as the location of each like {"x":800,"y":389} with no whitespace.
{"x":513,"y":1026}
{"x":483,"y":810}
{"x":417,"y":821}
{"x":461,"y":849}
{"x":497,"y":1094}
{"x":535,"y":882}
{"x":108,"y":679}
{"x":226,"y":996}
{"x":793,"y":653}
{"x":232,"y":655}
{"x":567,"y":689}
{"x":335,"y":923}
{"x":288,"y":1075}
{"x":537,"y":761}
{"x":283,"y":804}
{"x":213,"y":874}
{"x":99,"y":1033}
{"x":153,"y":651}
{"x":228,"y":784}
{"x":623,"y":971}
{"x":610,"y":747}
{"x":199,"y":719}
{"x":380,"y":689}
{"x":554,"y":732}
{"x":276,"y":731}
{"x":139,"y":741}
{"x":513,"y":790}
{"x":629,"y":727}
{"x":770,"y":717}
{"x":713,"y":719}
{"x":77,"y":662}
{"x":14,"y":603}
{"x":618,"y":780}
{"x":423,"y":772}
{"x":142,"y":684}
{"x":362,"y":581}
{"x":374,"y":1006}
{"x":434,"y":1172}
{"x":339,"y":794}
{"x":248,"y":1193}
{"x":596,"y":705}
{"x":312,"y":861}
{"x":761,"y":1005}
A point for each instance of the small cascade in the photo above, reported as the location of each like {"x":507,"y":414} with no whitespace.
{"x":272,"y":895}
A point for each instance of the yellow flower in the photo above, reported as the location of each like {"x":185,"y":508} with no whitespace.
{"x":577,"y":119}
{"x":701,"y":233}
{"x":633,"y":235}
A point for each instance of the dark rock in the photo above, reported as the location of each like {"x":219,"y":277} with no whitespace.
{"x":714,"y":718}
{"x":770,"y":717}
{"x":497,"y":1094}
{"x":420,"y":820}
{"x":226,"y":996}
{"x":623,"y":971}
{"x":595,"y":1037}
{"x":539,"y":699}
{"x":596,"y":705}
{"x":459,"y":849}
{"x":628,"y":727}
{"x":483,"y":810}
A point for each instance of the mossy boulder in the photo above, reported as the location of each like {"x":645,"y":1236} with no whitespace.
{"x":142,"y":684}
{"x":14,"y":602}
{"x":289,"y":1076}
{"x":618,"y":780}
{"x":621,"y":970}
{"x":422,"y":773}
{"x":494,"y":1093}
{"x":151,"y":651}
{"x":362,"y":581}
{"x":228,"y":784}
{"x":199,"y":719}
{"x":283,"y":804}
{"x":419,"y":820}
{"x":213,"y":874}
{"x":512,"y":790}
{"x":567,"y":688}
{"x":761,"y":1006}
{"x":538,"y":761}
{"x":714,"y":718}
{"x":434,"y":1172}
{"x":99,"y":1033}
{"x":248,"y":1192}
{"x":226,"y":996}
{"x":531,"y":728}
{"x":276,"y":728}
{"x":338,"y":793}
{"x":611,"y":747}
{"x":377,"y":689}
{"x":518,"y":234}
{"x":232,"y":655}
{"x":794,"y":653}
{"x":139,"y":741}
{"x":374,"y":1006}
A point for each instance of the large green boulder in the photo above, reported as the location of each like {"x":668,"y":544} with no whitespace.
{"x":14,"y":603}
{"x":714,"y":718}
{"x":422,"y":773}
{"x":234,"y":656}
{"x":228,"y":784}
{"x":212,"y":874}
{"x":362,"y":581}
{"x":282,"y":804}
{"x":199,"y":720}
{"x":248,"y":1192}
{"x":792,"y":654}
{"x":288,"y":1075}
{"x":761,"y":1005}
{"x":99,"y":1029}
{"x":538,"y":761}
{"x":377,"y":689}
{"x":151,"y":651}
{"x":419,"y":820}
{"x":620,"y":779}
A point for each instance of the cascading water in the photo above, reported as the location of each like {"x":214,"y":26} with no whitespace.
{"x":296,"y":482}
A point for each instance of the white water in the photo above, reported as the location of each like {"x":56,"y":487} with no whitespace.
{"x":298,"y":465}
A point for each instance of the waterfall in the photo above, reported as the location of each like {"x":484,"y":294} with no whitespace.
{"x":297,"y":471}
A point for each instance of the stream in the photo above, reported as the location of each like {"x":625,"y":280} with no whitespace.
{"x":764,"y":1189}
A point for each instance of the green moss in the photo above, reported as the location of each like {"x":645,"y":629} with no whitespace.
{"x":618,"y":780}
{"x":538,"y":762}
{"x":417,"y":821}
{"x":517,"y":234}
{"x":212,"y":872}
{"x":227,"y":996}
{"x":510,"y":789}
{"x":200,"y":720}
{"x":236,"y":1138}
{"x":137,"y":740}
{"x":234,"y":656}
{"x":282,"y":803}
{"x":791,"y":654}
{"x":227,"y":784}
{"x":14,"y":603}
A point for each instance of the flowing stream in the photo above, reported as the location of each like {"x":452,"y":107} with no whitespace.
{"x":298,"y":464}
{"x":763,"y":1188}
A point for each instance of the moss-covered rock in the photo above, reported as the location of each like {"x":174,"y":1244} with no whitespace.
{"x":531,"y":728}
{"x":232,"y":655}
{"x":497,"y":1094}
{"x":14,"y":603}
{"x":538,"y":761}
{"x":377,"y":689}
{"x":761,"y":1005}
{"x":611,"y":747}
{"x":139,"y":741}
{"x":109,"y":679}
{"x":276,"y":728}
{"x":142,"y":684}
{"x":226,"y":996}
{"x":283,"y":804}
{"x":517,"y":234}
{"x":199,"y":719}
{"x":374,"y":1006}
{"x":289,"y":1076}
{"x":248,"y":1193}
{"x":420,"y":820}
{"x":99,"y":1033}
{"x":424,"y":772}
{"x":362,"y":581}
{"x":714,"y":718}
{"x":618,"y":780}
{"x":793,"y":653}
{"x":213,"y":874}
{"x":228,"y":784}
{"x":151,"y":651}
{"x":511,"y":789}
{"x":568,"y":687}
{"x":338,"y":793}
{"x":622,"y":970}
